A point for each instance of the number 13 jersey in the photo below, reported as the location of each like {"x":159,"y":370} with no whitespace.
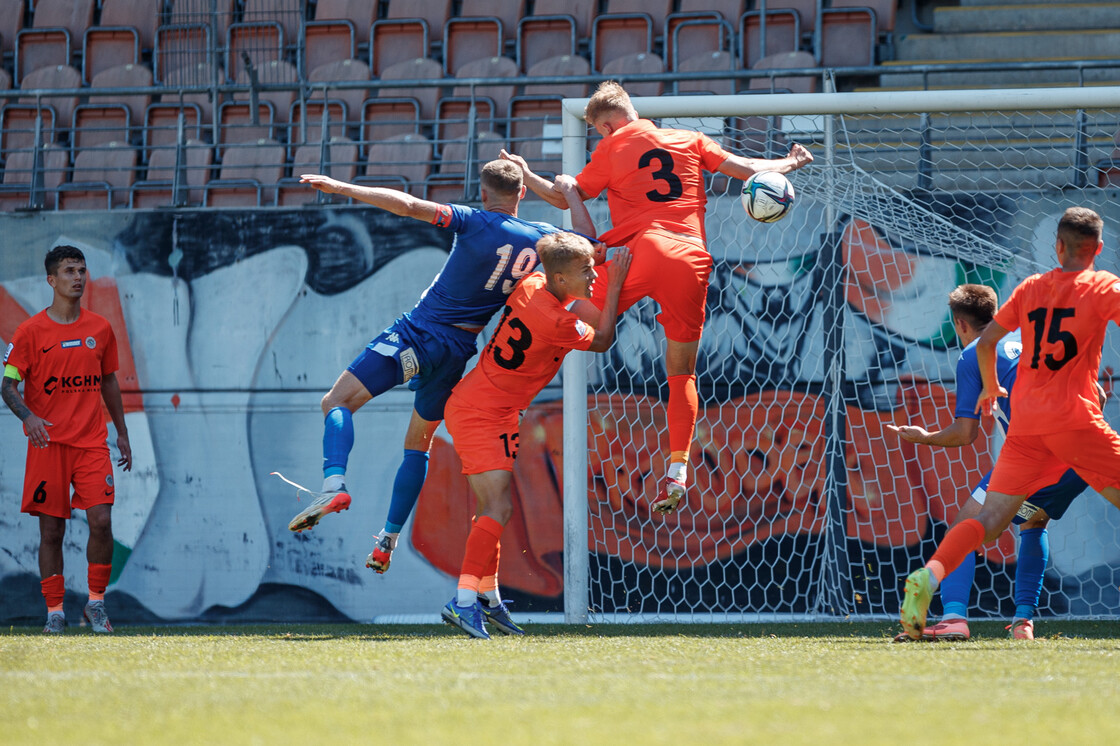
{"x":1063,"y":317}
{"x":526,"y":349}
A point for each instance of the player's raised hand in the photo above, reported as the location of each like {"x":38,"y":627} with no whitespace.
{"x":521,"y":163}
{"x":910,"y":433}
{"x":619,"y":266}
{"x":800,"y":155}
{"x":988,"y":398}
{"x":322,"y":183}
{"x":566,"y":183}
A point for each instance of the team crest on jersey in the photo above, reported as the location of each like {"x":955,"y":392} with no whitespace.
{"x":410,"y":365}
{"x":109,"y":480}
{"x":91,"y":342}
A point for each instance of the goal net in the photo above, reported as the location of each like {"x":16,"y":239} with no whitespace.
{"x":822,"y":330}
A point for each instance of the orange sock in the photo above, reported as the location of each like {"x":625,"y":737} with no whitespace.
{"x":684,"y":405}
{"x":481,"y":552}
{"x":54,"y":590}
{"x":961,"y":540}
{"x":98,"y":576}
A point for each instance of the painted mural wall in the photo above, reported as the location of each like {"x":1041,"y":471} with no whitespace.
{"x":234,"y":323}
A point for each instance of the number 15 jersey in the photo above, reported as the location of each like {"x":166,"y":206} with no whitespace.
{"x":526,"y":350}
{"x":1063,"y":317}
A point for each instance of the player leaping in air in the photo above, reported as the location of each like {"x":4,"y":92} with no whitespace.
{"x":1063,"y":314}
{"x":539,"y":326}
{"x":972,"y":308}
{"x":428,"y":347}
{"x":654,"y":180}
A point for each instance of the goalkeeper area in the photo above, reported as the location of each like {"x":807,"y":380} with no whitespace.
{"x":601,"y":684}
{"x":823,"y":330}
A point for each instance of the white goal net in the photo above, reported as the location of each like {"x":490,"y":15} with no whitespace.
{"x":823,"y":329}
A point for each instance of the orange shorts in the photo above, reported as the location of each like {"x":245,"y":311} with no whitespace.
{"x":1027,"y":463}
{"x":51,"y":471}
{"x":673,"y":269}
{"x":485,"y":439}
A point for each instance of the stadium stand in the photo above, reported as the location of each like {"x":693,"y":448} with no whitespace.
{"x":489,"y":67}
{"x":199,"y":74}
{"x":361,"y":14}
{"x":461,"y":156}
{"x":783,"y":34}
{"x":848,"y":37}
{"x":395,"y":40}
{"x":403,"y":161}
{"x":15,"y":189}
{"x":420,"y":68}
{"x":453,"y":114}
{"x":718,"y":61}
{"x":39,"y":48}
{"x":657,"y":10}
{"x":180,"y":46}
{"x":59,"y":77}
{"x":619,"y":35}
{"x":142,"y":15}
{"x":259,"y":43}
{"x":273,"y":73}
{"x":509,"y":12}
{"x":641,"y":63}
{"x":99,"y":124}
{"x":288,"y":13}
{"x":563,"y":66}
{"x":235,"y":123}
{"x":339,"y":160}
{"x":340,"y":72}
{"x":534,"y":131}
{"x":788,"y":83}
{"x":544,"y":37}
{"x":161,"y":125}
{"x":124,"y":76}
{"x":101,"y":178}
{"x":383,"y":118}
{"x":11,"y":21}
{"x":328,"y":41}
{"x":468,"y":39}
{"x":248,"y":175}
{"x":690,"y":34}
{"x":105,"y":47}
{"x":581,"y":11}
{"x":307,"y":120}
{"x":156,"y":190}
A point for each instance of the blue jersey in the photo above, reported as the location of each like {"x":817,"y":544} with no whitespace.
{"x":491,"y":252}
{"x":969,"y":383}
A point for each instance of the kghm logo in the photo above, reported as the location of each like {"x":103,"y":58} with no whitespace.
{"x":70,"y":384}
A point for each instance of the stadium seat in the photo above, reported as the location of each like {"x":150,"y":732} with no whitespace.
{"x":142,"y":15}
{"x":639,"y":64}
{"x":690,"y":34}
{"x":455,"y":153}
{"x":360,"y":13}
{"x":98,"y":124}
{"x":416,"y":69}
{"x":274,"y":72}
{"x":11,"y":21}
{"x":156,"y":189}
{"x":535,"y":130}
{"x":248,"y":175}
{"x":200,"y":74}
{"x":15,"y":190}
{"x":886,"y":12}
{"x":489,"y":67}
{"x":562,"y":66}
{"x":405,"y":159}
{"x":783,"y":34}
{"x":469,"y":39}
{"x":337,"y":72}
{"x":124,"y":76}
{"x":328,"y":41}
{"x":235,"y":123}
{"x":341,"y":163}
{"x":719,"y":61}
{"x":658,"y":10}
{"x":161,"y":125}
{"x":453,"y":115}
{"x":288,"y":13}
{"x":261,"y":42}
{"x":791,"y":83}
{"x":104,"y":47}
{"x":307,"y":121}
{"x":73,"y":15}
{"x":59,"y":77}
{"x":393,"y":41}
{"x":729,"y":10}
{"x":199,"y":12}
{"x":5,"y":80}
{"x":383,"y":118}
{"x":434,"y":13}
{"x":543,"y":37}
{"x":180,"y":46}
{"x":444,"y":189}
{"x":17,"y":125}
{"x":509,"y":12}
{"x":101,"y":178}
{"x":619,"y":35}
{"x":39,"y":48}
{"x":806,"y":12}
{"x":581,"y":11}
{"x":848,"y":37}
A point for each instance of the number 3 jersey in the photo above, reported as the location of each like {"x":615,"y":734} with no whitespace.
{"x":1063,"y":317}
{"x":491,"y":252}
{"x":652,"y":175}
{"x":61,"y":366}
{"x":525,"y":352}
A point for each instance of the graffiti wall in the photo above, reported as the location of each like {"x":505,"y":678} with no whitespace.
{"x":233,"y":324}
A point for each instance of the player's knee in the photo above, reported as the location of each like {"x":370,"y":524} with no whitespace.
{"x":52,"y":534}
{"x":101,"y":524}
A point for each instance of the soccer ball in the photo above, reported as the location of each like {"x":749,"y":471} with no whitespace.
{"x":767,"y":196}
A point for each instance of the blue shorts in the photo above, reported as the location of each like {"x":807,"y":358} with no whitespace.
{"x":1054,"y":499}
{"x":430,"y":358}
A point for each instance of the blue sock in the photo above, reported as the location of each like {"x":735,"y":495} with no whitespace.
{"x":1034,"y":551}
{"x":338,"y":439}
{"x":957,"y":586}
{"x":406,"y":489}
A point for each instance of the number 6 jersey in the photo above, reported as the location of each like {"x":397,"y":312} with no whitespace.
{"x":526,"y":349}
{"x":1063,"y":317}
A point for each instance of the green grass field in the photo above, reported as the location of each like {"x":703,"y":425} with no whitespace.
{"x":616,"y":684}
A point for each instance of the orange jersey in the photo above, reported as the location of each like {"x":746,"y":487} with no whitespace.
{"x":526,"y":349}
{"x":652,"y":176}
{"x":61,"y":366}
{"x":1063,"y":316}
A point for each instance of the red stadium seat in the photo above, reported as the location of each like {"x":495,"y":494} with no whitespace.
{"x":98,"y":124}
{"x":484,"y":148}
{"x":360,"y":13}
{"x":620,"y":35}
{"x":582,"y":12}
{"x":690,"y":34}
{"x":444,"y":189}
{"x":783,"y":34}
{"x":792,"y":83}
{"x":718,"y":61}
{"x":156,"y":190}
{"x":417,"y":69}
{"x":288,"y":13}
{"x":806,"y":11}
{"x":11,"y":21}
{"x":39,"y":48}
{"x":563,"y":66}
{"x":102,"y":178}
{"x":192,"y":76}
{"x":433,"y":12}
{"x":848,"y":37}
{"x":161,"y":125}
{"x":261,"y":42}
{"x":328,"y":41}
{"x":199,"y":12}
{"x":235,"y":123}
{"x":248,"y":175}
{"x":509,"y":12}
{"x":395,"y":41}
{"x":124,"y":76}
{"x":658,"y":10}
{"x":307,"y":121}
{"x":383,"y":118}
{"x":542,"y":37}
{"x":274,"y":72}
{"x":535,"y":130}
{"x":489,"y":67}
{"x":104,"y":47}
{"x":341,"y":163}
{"x":469,"y":39}
{"x":343,"y":71}
{"x":405,"y":159}
{"x":18,"y":122}
{"x":180,"y":46}
{"x":453,"y":115}
{"x":640,"y":64}
{"x":15,"y":190}
{"x":73,"y":15}
{"x":60,"y":77}
{"x":142,"y":15}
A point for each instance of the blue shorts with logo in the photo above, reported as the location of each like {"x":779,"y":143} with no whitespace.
{"x":430,"y":358}
{"x":1054,"y":499}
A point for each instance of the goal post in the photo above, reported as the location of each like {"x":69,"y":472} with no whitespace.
{"x":823,"y":330}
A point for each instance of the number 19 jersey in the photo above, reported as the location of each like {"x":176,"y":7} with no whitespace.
{"x":1063,"y":317}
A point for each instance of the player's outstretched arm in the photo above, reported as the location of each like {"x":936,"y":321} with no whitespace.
{"x":608,"y":318}
{"x":36,"y":426}
{"x":986,"y":359}
{"x":573,"y":197}
{"x":536,"y":183}
{"x":390,"y":200}
{"x":111,"y":393}
{"x":738,"y":167}
{"x":961,"y":432}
